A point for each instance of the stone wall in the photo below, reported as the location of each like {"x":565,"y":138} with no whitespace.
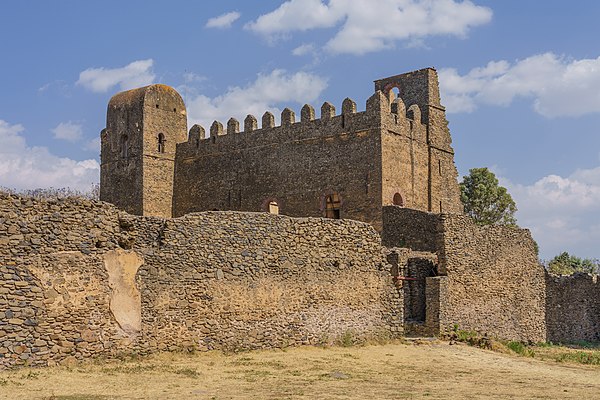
{"x":417,"y":144}
{"x":82,"y":279}
{"x":395,"y":152}
{"x":573,"y":308}
{"x":296,"y":165}
{"x":494,"y":284}
{"x":137,"y":172}
{"x":417,"y":230}
{"x":489,"y":279}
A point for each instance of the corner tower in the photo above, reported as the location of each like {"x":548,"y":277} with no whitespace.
{"x":143,"y":127}
{"x":421,"y":89}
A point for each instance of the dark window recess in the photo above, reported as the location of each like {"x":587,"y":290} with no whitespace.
{"x":332,"y":206}
{"x":398,"y":200}
{"x":161,"y":143}
{"x":124,"y":146}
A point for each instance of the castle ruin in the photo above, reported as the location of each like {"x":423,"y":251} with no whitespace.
{"x":338,"y":166}
{"x":349,"y":225}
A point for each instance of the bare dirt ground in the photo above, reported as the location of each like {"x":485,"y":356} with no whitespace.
{"x":426,"y":370}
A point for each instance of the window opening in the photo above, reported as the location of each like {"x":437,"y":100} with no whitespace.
{"x":161,"y":143}
{"x":124,"y":146}
{"x":332,"y":206}
{"x":273,"y":207}
{"x":398,"y":200}
{"x":440,"y":166}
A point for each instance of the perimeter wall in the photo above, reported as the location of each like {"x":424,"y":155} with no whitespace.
{"x":82,"y":279}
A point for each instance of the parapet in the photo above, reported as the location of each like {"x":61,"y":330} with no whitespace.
{"x":379,"y":111}
{"x":418,"y":87}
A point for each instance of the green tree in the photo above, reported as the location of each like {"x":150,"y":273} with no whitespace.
{"x":485,"y":200}
{"x":566,"y":264}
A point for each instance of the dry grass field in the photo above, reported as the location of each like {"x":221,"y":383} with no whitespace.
{"x":414,"y":370}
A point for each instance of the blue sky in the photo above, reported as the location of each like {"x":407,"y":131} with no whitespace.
{"x":520,"y":81}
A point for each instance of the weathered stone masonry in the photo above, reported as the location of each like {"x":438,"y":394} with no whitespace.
{"x":573,"y":308}
{"x":397,"y":151}
{"x":488,"y":278}
{"x":82,"y":279}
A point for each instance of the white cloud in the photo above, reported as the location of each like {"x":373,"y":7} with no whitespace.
{"x":68,"y":131}
{"x":223,"y":21}
{"x":135,"y":74}
{"x":558,"y":86}
{"x":563,"y":213}
{"x":298,"y":15}
{"x":367,"y":27}
{"x":93,"y":145}
{"x":26,"y":167}
{"x":304,"y":49}
{"x":190,"y":77}
{"x":267,"y":92}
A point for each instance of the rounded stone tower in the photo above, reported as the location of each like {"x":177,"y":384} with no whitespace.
{"x":143,"y":127}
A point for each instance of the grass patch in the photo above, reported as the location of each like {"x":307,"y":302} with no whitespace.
{"x":584,"y":344}
{"x":580,"y":357}
{"x":347,"y":339}
{"x":470,"y":337}
{"x":521,"y":349}
{"x":581,"y":352}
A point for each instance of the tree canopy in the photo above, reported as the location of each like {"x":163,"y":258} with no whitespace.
{"x":485,"y":200}
{"x":566,"y":264}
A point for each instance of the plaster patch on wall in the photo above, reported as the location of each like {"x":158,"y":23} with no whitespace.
{"x":125,"y":299}
{"x":61,"y":281}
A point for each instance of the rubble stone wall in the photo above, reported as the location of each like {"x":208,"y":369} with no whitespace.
{"x":489,"y":280}
{"x":82,"y":279}
{"x":417,"y":230}
{"x":495,"y":283}
{"x":573,"y":308}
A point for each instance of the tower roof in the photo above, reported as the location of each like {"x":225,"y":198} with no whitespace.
{"x":138,"y":96}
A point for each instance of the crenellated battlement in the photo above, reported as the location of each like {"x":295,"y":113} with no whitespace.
{"x":379,"y":111}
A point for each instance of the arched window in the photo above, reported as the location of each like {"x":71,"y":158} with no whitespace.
{"x":124,"y":146}
{"x":398,"y":200}
{"x":273,"y":207}
{"x":332,"y":206}
{"x":161,"y":143}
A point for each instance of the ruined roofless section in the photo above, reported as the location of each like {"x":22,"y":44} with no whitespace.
{"x":341,"y":165}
